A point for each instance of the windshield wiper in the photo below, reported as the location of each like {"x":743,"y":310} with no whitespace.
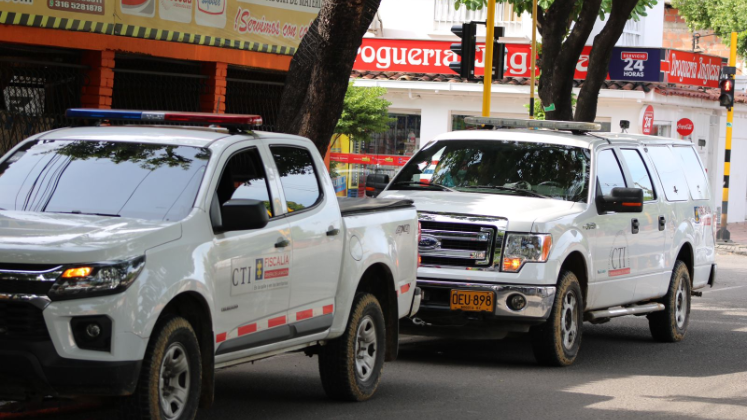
{"x":425,"y":184}
{"x":496,"y":187}
{"x":87,"y":214}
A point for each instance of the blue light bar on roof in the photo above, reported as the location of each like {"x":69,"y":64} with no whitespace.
{"x":226,"y":120}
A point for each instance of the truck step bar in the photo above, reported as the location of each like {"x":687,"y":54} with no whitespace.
{"x":630,"y":310}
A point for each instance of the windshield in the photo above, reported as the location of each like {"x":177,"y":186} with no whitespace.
{"x":145,"y":181}
{"x":500,"y":167}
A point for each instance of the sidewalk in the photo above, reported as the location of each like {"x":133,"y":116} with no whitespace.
{"x":738,"y":243}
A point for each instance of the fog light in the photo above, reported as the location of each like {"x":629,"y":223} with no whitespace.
{"x":93,"y":330}
{"x":516,"y":302}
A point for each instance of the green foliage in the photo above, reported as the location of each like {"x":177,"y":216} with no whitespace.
{"x":720,"y":16}
{"x":521,"y":6}
{"x":539,"y":110}
{"x":364,"y":112}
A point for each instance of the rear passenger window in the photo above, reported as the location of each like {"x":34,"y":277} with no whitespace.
{"x":298,"y":177}
{"x":639,"y":173}
{"x":696,"y":179}
{"x":609,"y":173}
{"x":669,"y":168}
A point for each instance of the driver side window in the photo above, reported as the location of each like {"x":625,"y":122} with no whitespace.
{"x":244,"y":178}
{"x":609,"y":173}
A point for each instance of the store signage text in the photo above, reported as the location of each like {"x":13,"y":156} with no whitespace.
{"x":647,"y":125}
{"x":685,"y":127}
{"x":693,"y":69}
{"x":365,"y":159}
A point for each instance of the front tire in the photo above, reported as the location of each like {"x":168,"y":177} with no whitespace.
{"x":670,"y":325}
{"x":557,"y":341}
{"x":171,"y":375}
{"x":350,"y":366}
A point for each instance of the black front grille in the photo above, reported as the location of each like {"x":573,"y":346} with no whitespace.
{"x":39,"y":288}
{"x":470,"y":246}
{"x":453,"y":262}
{"x":458,"y":227}
{"x":21,"y":320}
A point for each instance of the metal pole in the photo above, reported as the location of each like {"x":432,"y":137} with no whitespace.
{"x":723,"y":233}
{"x":488,"y":59}
{"x":533,"y":77}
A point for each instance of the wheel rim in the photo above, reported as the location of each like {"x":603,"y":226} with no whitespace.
{"x":174,"y":381}
{"x":680,"y":306}
{"x":365,"y":348}
{"x":569,"y":320}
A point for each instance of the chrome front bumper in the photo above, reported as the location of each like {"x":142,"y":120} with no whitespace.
{"x":539,"y":298}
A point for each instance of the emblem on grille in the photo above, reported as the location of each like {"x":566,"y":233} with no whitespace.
{"x":428,"y":242}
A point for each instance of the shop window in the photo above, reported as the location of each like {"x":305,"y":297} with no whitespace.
{"x":402,"y":138}
{"x":662,"y":129}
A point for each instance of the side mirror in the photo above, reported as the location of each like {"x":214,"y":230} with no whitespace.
{"x":375,"y":184}
{"x":242,"y":214}
{"x":621,"y":200}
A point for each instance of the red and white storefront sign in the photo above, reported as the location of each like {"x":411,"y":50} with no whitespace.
{"x":685,"y":127}
{"x":364,"y":159}
{"x":686,"y":68}
{"x":647,"y":121}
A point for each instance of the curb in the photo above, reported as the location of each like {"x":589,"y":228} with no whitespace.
{"x":732,"y":248}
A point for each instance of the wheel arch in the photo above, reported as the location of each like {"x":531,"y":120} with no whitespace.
{"x":576,"y":263}
{"x":687,"y":256}
{"x":379,"y":281}
{"x":193,"y":307}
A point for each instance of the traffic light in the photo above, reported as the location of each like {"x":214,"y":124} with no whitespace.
{"x":498,"y":53}
{"x":726,"y":99}
{"x":465,"y":49}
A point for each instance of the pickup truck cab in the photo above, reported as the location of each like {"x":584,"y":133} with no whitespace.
{"x":539,"y":230}
{"x":136,"y":260}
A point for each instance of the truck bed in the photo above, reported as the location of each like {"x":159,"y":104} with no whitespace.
{"x":355,"y":206}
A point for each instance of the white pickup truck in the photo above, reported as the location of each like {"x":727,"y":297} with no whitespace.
{"x":137,"y":260}
{"x":540,"y":230}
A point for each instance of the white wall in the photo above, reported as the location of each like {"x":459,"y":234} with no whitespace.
{"x":651,"y":28}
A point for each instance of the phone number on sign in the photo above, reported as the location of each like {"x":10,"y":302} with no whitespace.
{"x":93,"y":6}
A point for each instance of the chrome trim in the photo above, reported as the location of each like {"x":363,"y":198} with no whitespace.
{"x":40,"y":302}
{"x":31,"y":272}
{"x":539,"y":298}
{"x":26,"y":275}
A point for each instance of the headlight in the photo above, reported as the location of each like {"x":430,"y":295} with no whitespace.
{"x":525,"y":248}
{"x":89,"y":280}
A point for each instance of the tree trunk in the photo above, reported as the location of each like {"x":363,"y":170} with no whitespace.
{"x":320,"y":70}
{"x":559,"y":63}
{"x":599,"y":59}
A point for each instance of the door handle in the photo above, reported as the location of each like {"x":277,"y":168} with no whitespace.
{"x":635,"y":225}
{"x":662,"y":223}
{"x":333,"y":232}
{"x":282,"y":243}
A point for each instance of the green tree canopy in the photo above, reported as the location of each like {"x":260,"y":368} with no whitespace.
{"x":364,"y":112}
{"x":720,"y":16}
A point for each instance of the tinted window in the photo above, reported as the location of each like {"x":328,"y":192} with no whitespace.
{"x":668,"y":166}
{"x":609,"y":173}
{"x":500,"y":167}
{"x":146,"y":181}
{"x":696,"y":179}
{"x":244,"y":178}
{"x":297,"y":175}
{"x":639,"y":172}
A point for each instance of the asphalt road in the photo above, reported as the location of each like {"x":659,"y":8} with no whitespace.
{"x":620,"y":374}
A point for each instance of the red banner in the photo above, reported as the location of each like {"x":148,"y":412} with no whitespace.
{"x":692,"y":69}
{"x":361,"y":159}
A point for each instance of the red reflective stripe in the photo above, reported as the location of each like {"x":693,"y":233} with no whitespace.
{"x":247,"y":329}
{"x":220,"y":337}
{"x":274,"y":322}
{"x":632,"y":204}
{"x":304,"y":314}
{"x":328,"y":309}
{"x":405,"y":288}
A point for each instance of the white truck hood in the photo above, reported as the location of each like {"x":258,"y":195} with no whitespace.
{"x":521,"y":212}
{"x":53,"y":238}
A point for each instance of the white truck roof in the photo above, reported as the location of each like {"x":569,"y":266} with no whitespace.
{"x":563,"y":138}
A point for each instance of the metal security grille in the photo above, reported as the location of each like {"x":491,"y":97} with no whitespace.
{"x":154,"y":84}
{"x":37,"y":87}
{"x":253,"y":92}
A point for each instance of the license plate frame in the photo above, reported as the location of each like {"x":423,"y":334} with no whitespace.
{"x":470,"y":301}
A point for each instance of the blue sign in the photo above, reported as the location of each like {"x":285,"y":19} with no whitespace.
{"x":339,"y":183}
{"x":636,"y":64}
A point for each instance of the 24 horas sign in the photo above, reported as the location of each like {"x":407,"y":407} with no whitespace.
{"x":626,"y":64}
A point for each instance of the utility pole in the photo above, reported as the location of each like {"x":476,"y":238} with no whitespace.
{"x":488,"y":59}
{"x":533,"y":77}
{"x":723,"y":233}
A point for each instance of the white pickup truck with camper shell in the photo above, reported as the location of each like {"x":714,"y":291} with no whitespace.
{"x":136,"y":260}
{"x":538,"y":230}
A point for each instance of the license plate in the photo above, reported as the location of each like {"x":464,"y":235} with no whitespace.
{"x":466,"y":300}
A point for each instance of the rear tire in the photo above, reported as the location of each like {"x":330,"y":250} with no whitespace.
{"x":350,"y":366}
{"x":557,"y":341}
{"x":170,"y":377}
{"x":670,"y":325}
